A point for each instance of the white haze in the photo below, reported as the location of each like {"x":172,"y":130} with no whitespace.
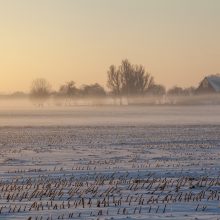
{"x":97,"y":112}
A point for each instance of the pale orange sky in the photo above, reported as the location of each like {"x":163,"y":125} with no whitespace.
{"x":178,"y":41}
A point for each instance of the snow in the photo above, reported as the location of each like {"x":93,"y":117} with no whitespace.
{"x":110,"y":163}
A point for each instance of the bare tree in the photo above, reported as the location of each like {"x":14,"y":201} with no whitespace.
{"x":69,"y":89}
{"x":114,"y":83}
{"x":114,"y":80}
{"x":40,"y":90}
{"x":142,"y":80}
{"x":129,"y":79}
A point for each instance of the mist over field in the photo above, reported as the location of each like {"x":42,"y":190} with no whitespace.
{"x":23,"y":112}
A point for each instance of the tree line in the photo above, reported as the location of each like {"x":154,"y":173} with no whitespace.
{"x":126,"y":80}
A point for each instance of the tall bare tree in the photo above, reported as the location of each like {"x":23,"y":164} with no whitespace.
{"x":114,"y":80}
{"x":129,"y":79}
{"x":142,"y":80}
{"x":68,"y":89}
{"x":40,"y":90}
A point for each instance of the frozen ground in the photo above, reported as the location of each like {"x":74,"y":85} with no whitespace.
{"x":110,"y":167}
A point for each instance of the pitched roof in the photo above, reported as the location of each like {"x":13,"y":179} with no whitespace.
{"x":214,"y":81}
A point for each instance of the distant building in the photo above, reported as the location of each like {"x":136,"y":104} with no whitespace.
{"x":210,"y":84}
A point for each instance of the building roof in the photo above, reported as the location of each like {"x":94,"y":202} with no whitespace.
{"x":214,"y":81}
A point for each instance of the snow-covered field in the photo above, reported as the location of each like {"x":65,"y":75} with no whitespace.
{"x":115,"y":163}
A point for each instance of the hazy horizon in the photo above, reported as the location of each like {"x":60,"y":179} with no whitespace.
{"x":177,"y":41}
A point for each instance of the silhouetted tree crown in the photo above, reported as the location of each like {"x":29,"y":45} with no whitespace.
{"x":114,"y":80}
{"x":128,"y":79}
{"x":40,"y":88}
{"x":68,"y":89}
{"x":93,"y":90}
{"x":157,"y":90}
{"x":179,"y":91}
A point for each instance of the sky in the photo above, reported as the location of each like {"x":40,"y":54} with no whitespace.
{"x":178,"y":41}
